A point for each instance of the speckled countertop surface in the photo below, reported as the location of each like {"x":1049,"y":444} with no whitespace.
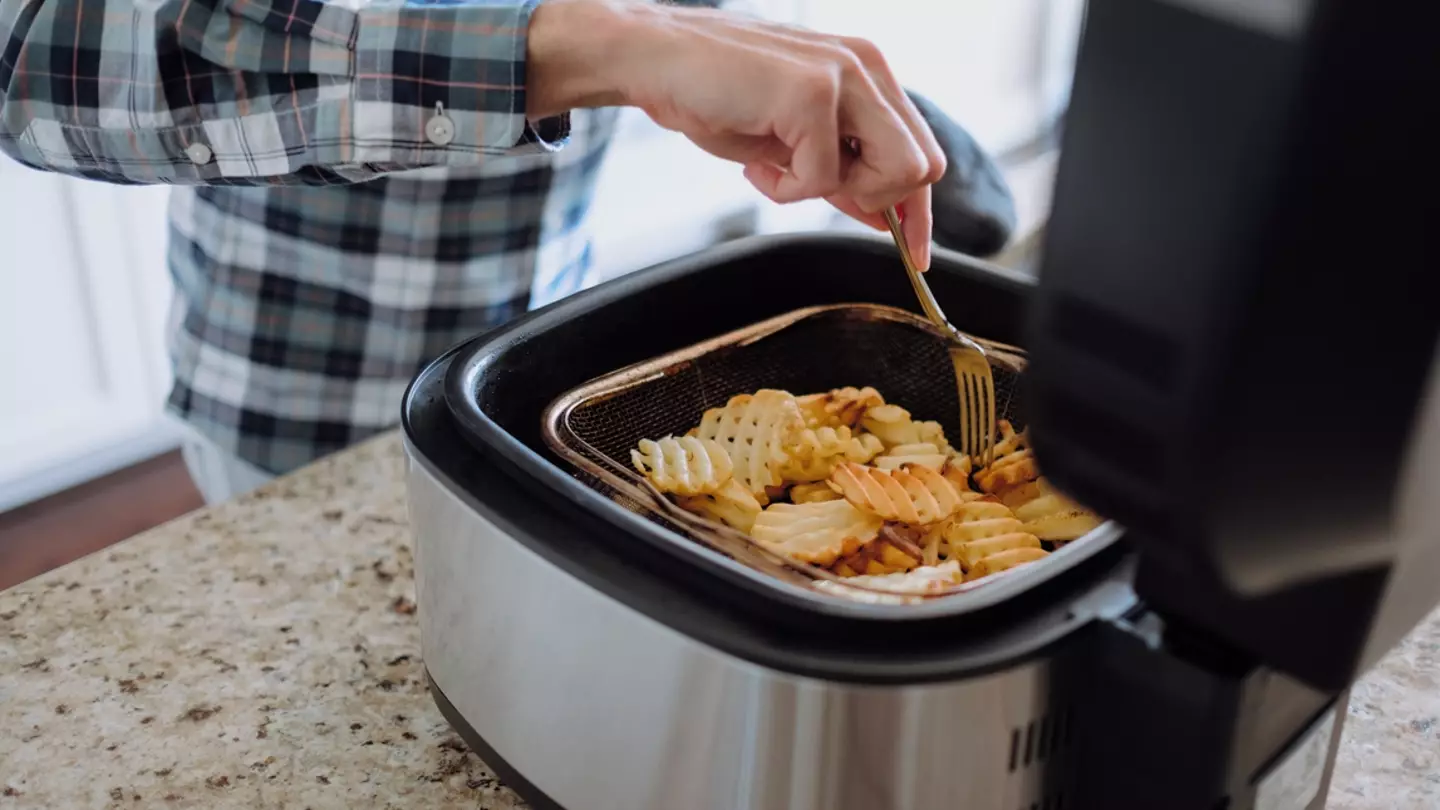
{"x":264,"y":653}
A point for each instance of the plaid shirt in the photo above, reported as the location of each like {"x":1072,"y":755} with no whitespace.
{"x":360,"y":188}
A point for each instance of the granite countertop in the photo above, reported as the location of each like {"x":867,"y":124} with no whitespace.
{"x":265,"y":653}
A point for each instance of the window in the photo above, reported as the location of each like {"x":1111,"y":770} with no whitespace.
{"x":999,"y":67}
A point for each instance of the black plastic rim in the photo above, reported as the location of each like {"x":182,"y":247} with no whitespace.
{"x":512,"y":778}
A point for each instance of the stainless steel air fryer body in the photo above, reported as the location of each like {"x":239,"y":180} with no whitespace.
{"x":595,"y":665}
{"x":604,"y":708}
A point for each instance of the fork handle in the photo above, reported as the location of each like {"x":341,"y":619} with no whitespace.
{"x":917,"y":279}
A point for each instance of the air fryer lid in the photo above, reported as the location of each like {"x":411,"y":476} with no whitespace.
{"x":1221,"y":360}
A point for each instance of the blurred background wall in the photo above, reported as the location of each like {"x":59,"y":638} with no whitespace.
{"x":84,"y":289}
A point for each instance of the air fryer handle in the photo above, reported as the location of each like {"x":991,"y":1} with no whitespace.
{"x":974,"y":208}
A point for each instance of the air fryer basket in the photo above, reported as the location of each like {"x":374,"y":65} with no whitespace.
{"x":813,"y":349}
{"x":501,"y":383}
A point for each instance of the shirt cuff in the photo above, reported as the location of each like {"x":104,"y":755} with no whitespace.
{"x":445,"y":84}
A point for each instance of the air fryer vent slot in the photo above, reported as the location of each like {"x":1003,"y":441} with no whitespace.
{"x":1039,"y":740}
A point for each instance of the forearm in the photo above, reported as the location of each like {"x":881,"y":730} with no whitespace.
{"x":263,"y":91}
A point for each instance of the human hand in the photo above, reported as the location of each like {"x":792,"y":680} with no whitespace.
{"x":782,"y":101}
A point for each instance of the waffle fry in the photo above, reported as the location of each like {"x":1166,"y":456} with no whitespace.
{"x":1017,"y":496}
{"x":755,"y":430}
{"x":815,"y":453}
{"x":1010,"y":441}
{"x":920,"y":580}
{"x":894,"y":426}
{"x":1049,"y":515}
{"x":683,"y":466}
{"x":983,"y":517}
{"x":813,"y":493}
{"x":818,"y":533}
{"x":1014,"y":462}
{"x":841,"y":407}
{"x":923,"y":454}
{"x":973,"y":552}
{"x":914,"y":495}
{"x":1015,"y":478}
{"x":732,"y":504}
{"x":878,"y":559}
{"x":845,"y":481}
{"x":1011,"y":471}
{"x":1004,"y":561}
{"x":957,"y":471}
{"x":894,"y":551}
{"x":900,"y":589}
{"x":932,"y":544}
{"x":978,"y":529}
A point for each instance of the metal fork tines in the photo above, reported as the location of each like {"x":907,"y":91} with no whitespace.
{"x":973,"y":374}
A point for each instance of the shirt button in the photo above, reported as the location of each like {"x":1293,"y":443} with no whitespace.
{"x":440,"y":130}
{"x":199,"y":153}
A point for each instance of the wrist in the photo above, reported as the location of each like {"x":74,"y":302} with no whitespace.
{"x":575,"y":54}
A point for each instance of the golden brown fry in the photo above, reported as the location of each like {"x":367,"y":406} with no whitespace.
{"x":895,"y":550}
{"x":895,"y":427}
{"x":918,"y":580}
{"x":957,"y":471}
{"x":755,"y":430}
{"x":971,"y":520}
{"x":818,"y":533}
{"x":1010,"y":441}
{"x":1018,"y":496}
{"x":841,"y":407}
{"x":733,"y":505}
{"x":1011,"y":470}
{"x":815,"y":452}
{"x":877,"y":559}
{"x":923,"y":454}
{"x":683,"y":466}
{"x":1005,"y":560}
{"x":813,"y":493}
{"x":1051,"y":516}
{"x":874,"y":494}
{"x":1046,"y":513}
{"x":1014,"y":477}
{"x":972,"y":552}
{"x":913,"y":495}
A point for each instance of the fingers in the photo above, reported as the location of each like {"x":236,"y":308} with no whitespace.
{"x":833,"y":89}
{"x":781,"y":101}
{"x":917,"y":221}
{"x":892,"y":162}
{"x":814,"y":166}
{"x":894,"y":92}
{"x":765,"y":177}
{"x":847,"y":206}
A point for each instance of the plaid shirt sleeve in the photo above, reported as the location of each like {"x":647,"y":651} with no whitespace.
{"x":241,"y":92}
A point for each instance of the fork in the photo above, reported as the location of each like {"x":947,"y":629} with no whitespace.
{"x":973,"y":374}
